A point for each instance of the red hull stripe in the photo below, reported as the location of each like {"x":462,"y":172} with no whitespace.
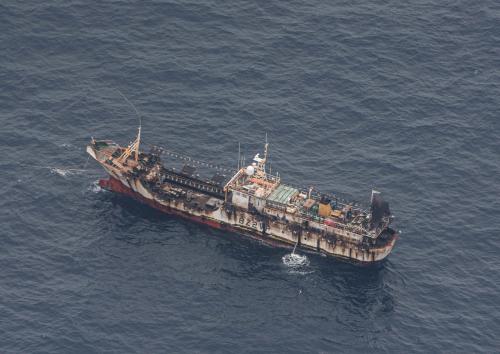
{"x":116,"y":186}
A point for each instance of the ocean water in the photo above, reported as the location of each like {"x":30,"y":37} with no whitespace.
{"x":403,"y":97}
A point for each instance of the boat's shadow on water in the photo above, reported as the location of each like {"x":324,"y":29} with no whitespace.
{"x":364,"y":290}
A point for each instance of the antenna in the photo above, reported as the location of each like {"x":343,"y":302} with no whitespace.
{"x":239,"y":155}
{"x":134,"y":146}
{"x":270,"y":162}
{"x":265,"y":156}
{"x":132,"y":105}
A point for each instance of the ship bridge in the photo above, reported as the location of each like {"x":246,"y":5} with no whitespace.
{"x":249,"y":190}
{"x":251,"y":186}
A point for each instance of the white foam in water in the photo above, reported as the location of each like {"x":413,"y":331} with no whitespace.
{"x":61,"y":172}
{"x":295,"y":260}
{"x":65,"y":172}
{"x":67,"y":145}
{"x":95,"y":187}
{"x":296,"y":263}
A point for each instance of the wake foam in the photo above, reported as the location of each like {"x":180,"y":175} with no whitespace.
{"x":296,"y":263}
{"x":95,"y":187}
{"x":62,"y":172}
{"x":67,"y":146}
{"x":66,"y":172}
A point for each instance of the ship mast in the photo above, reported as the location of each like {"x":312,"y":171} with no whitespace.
{"x":265,"y":155}
{"x":134,"y":146}
{"x":137,"y":144}
{"x":260,"y":162}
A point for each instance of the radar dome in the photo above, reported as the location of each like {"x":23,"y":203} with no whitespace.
{"x":250,"y":170}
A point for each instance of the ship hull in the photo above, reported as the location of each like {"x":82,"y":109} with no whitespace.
{"x":272,"y":234}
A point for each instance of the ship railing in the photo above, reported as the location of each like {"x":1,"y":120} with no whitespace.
{"x":275,"y":205}
{"x":189,"y":182}
{"x":341,"y":199}
{"x":272,"y":178}
{"x":353,"y":236}
{"x":161,"y":151}
{"x":349,"y":229}
{"x":381,"y":228}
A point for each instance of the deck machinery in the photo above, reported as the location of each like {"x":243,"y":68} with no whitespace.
{"x":250,"y":202}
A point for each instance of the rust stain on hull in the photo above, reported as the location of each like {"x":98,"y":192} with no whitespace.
{"x":117,"y":186}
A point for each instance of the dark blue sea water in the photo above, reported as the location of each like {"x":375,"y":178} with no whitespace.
{"x":399,"y":96}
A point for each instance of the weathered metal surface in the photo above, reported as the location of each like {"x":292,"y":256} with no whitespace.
{"x":247,"y":206}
